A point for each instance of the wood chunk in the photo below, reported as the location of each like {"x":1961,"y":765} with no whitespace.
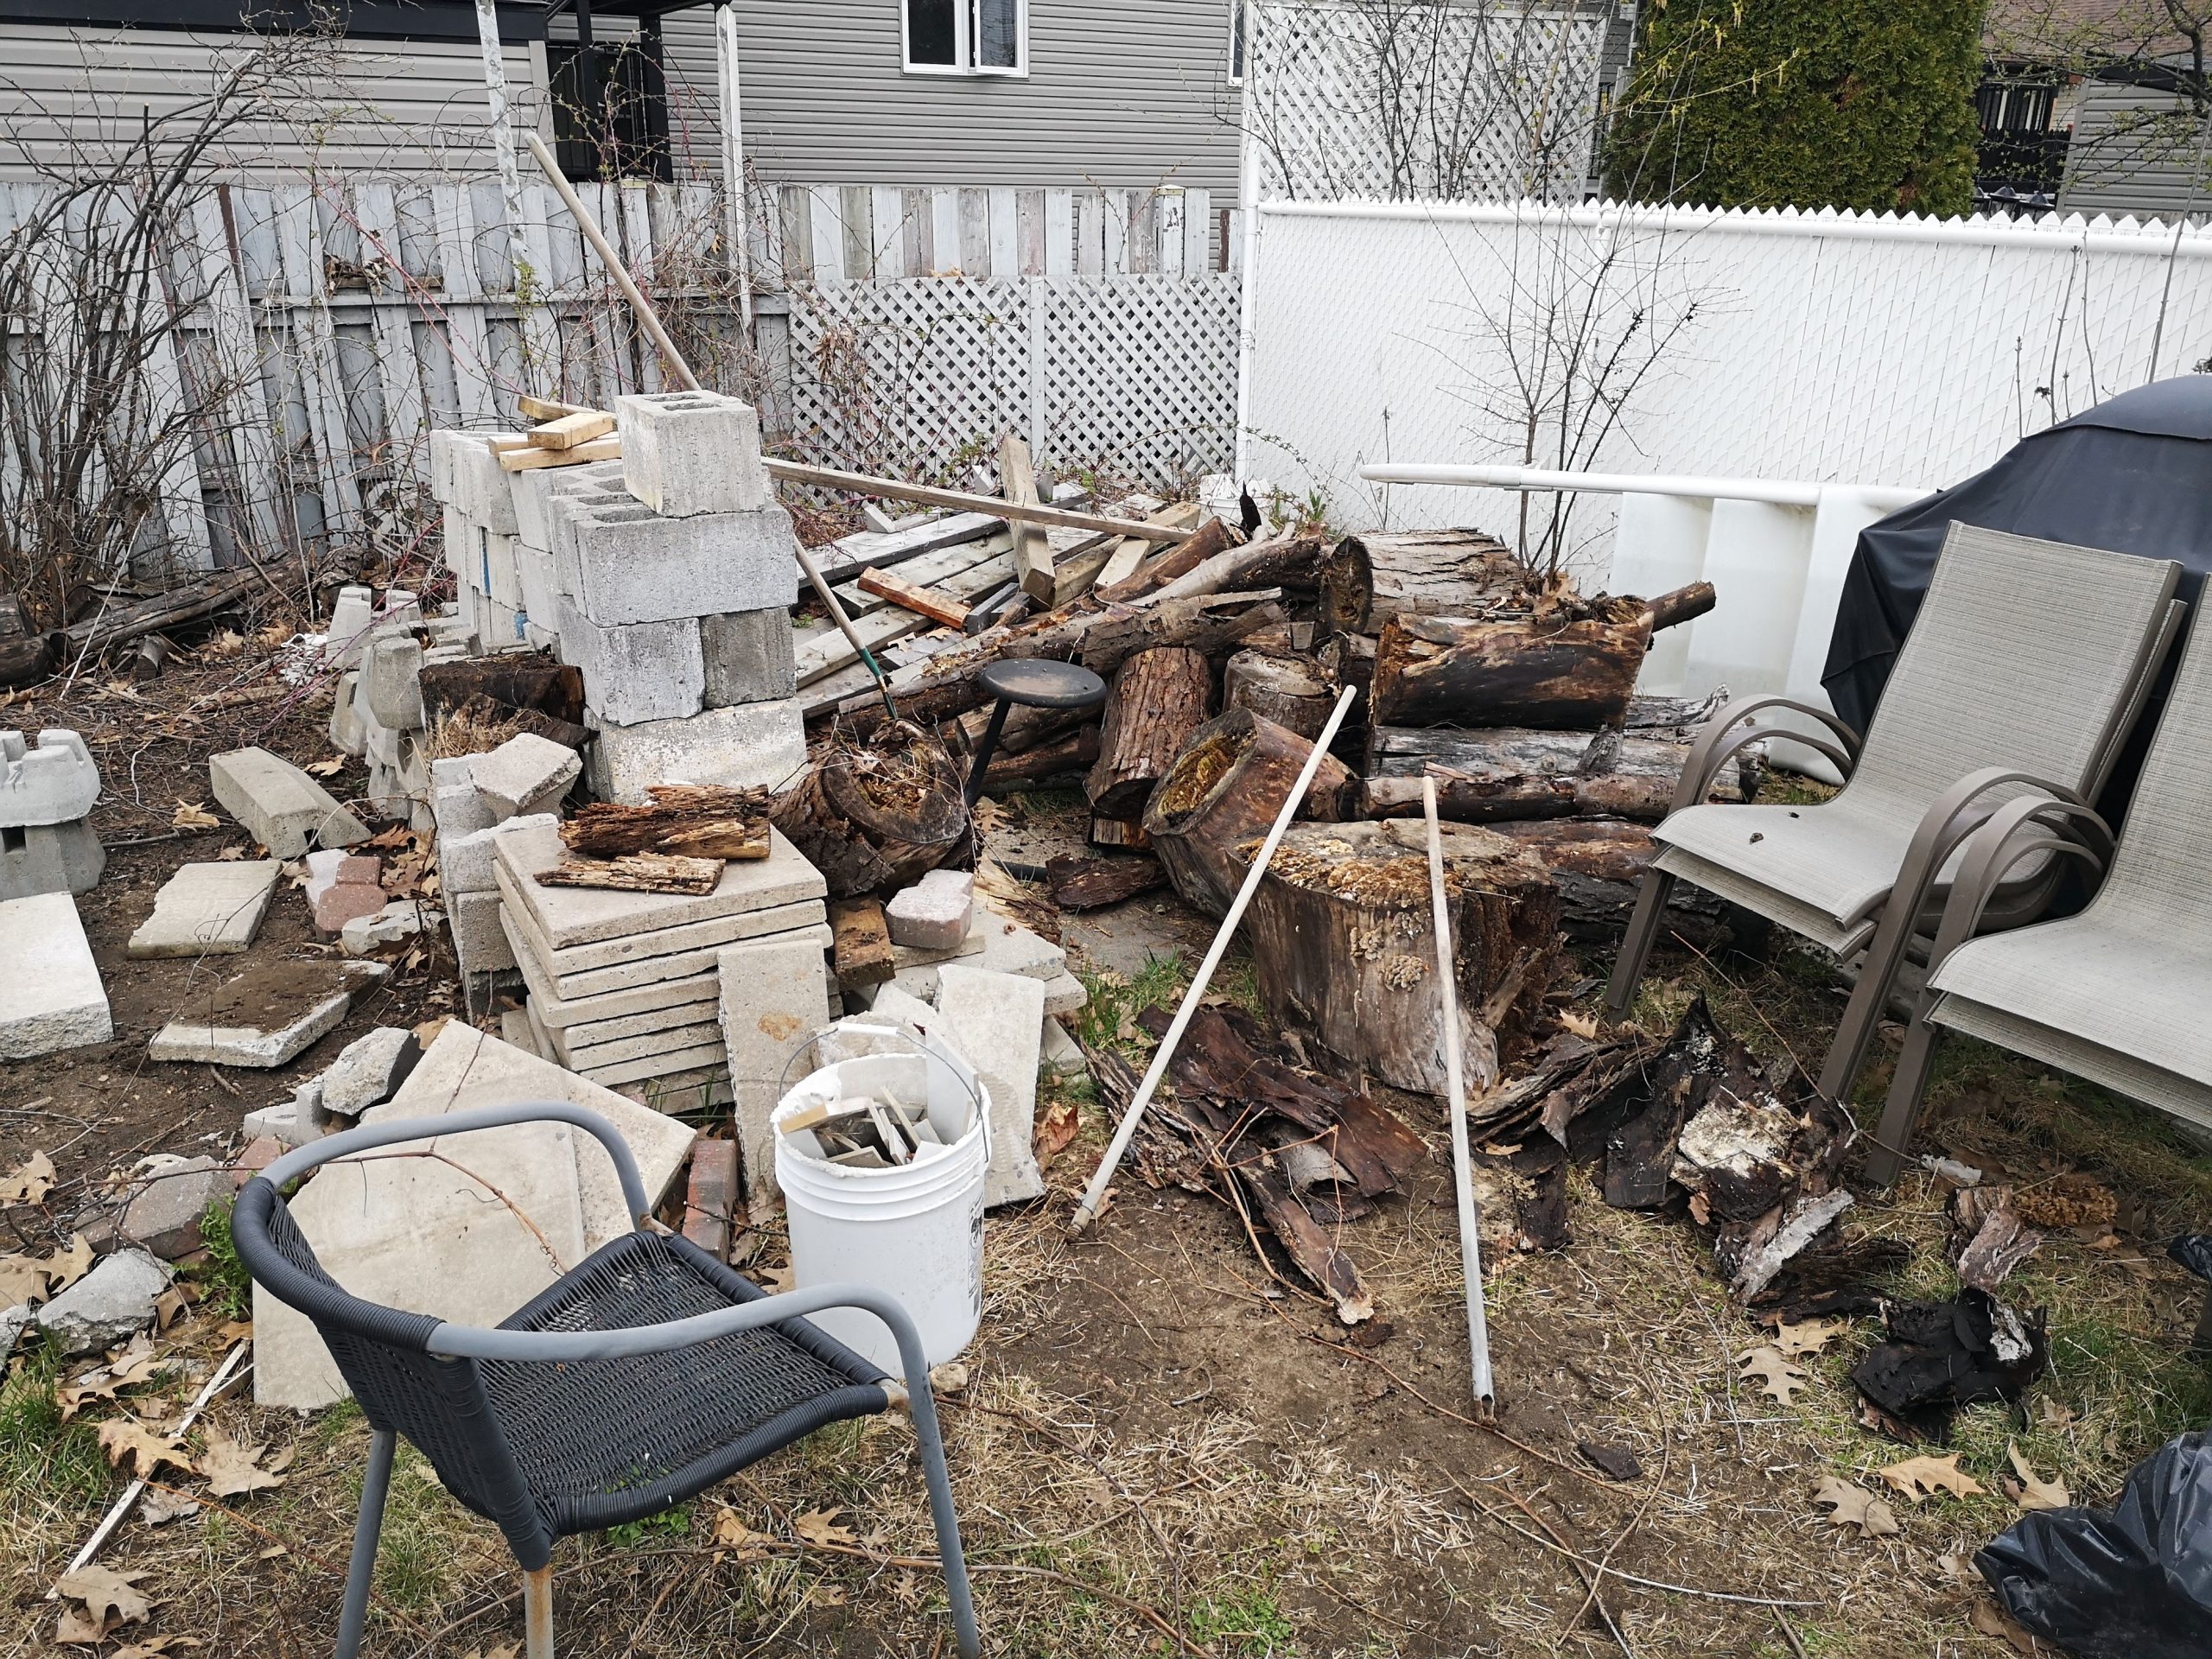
{"x":921,"y":600}
{"x":1092,"y":883}
{"x":568,"y":431}
{"x":693,"y":820}
{"x":873,"y":815}
{"x":1125,"y":833}
{"x":1368,"y":580}
{"x":1296,"y":693}
{"x":1548,"y":673}
{"x":546,"y":408}
{"x":1209,"y":538}
{"x":1596,"y":865}
{"x":862,"y":953}
{"x":1158,"y":698}
{"x":638,"y":873}
{"x":1032,"y":554}
{"x":1070,"y":755}
{"x":1121,"y":562}
{"x":532,"y":458}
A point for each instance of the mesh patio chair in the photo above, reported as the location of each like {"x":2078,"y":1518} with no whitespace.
{"x":645,"y":1376}
{"x":2121,"y":993}
{"x":2025,"y":670}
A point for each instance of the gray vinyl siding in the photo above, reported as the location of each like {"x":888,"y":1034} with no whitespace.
{"x":411,"y":106}
{"x":2113,"y":169}
{"x":1121,"y":94}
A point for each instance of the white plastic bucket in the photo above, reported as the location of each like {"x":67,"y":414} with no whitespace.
{"x":914,"y":1231}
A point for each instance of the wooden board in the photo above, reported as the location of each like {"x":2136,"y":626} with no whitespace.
{"x":531,"y":459}
{"x":912,"y":596}
{"x":571,"y":430}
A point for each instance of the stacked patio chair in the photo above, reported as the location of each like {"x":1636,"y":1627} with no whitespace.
{"x":2022,"y":673}
{"x":638,"y":1380}
{"x":2121,"y":993}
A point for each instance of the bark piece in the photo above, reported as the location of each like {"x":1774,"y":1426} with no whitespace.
{"x":1297,"y":693}
{"x":638,"y":873}
{"x":861,"y":952}
{"x":1093,"y":883}
{"x":1342,"y":936}
{"x":1126,"y":833}
{"x":1553,"y":674}
{"x":1064,"y":757}
{"x":1367,"y":580}
{"x":513,"y":681}
{"x":693,"y":820}
{"x":1223,"y":791}
{"x":1158,"y":698}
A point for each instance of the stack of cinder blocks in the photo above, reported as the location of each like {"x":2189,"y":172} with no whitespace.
{"x":504,"y":588}
{"x":676,"y":579}
{"x":475,"y":799}
{"x":46,"y":845}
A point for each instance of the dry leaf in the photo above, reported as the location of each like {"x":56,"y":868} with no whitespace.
{"x":135,"y":1365}
{"x":22,"y":1279}
{"x":29,"y":1181}
{"x":107,"y":1595}
{"x":1854,"y":1506}
{"x":779,"y":1280}
{"x":1777,"y":1375}
{"x":169,"y":1306}
{"x":1991,"y":1620}
{"x":1958,"y":1572}
{"x":1580,"y":1024}
{"x":2030,"y":1491}
{"x":193,"y":814}
{"x":1812,"y":1337}
{"x":228,"y":643}
{"x":1056,"y":1131}
{"x":907,"y":1589}
{"x":825,"y":1595}
{"x":329,"y":768}
{"x":1919,"y":1477}
{"x":67,"y":1266}
{"x":154,"y":1646}
{"x":732,"y":1534}
{"x":124,"y":1440}
{"x":231,"y":1466}
{"x":159,"y":1508}
{"x":273,"y":634}
{"x":230,"y":856}
{"x":819,"y":1526}
{"x":2053,"y":1413}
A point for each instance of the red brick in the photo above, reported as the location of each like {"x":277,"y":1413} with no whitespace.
{"x":710,"y":1205}
{"x":341,"y":903}
{"x":256,"y":1158}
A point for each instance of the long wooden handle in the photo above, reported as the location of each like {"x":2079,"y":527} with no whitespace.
{"x":1095,"y":1194}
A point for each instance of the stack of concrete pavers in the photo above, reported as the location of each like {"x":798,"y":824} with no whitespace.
{"x":676,"y":581}
{"x":46,"y":845}
{"x":624,"y":987}
{"x":476,"y":799}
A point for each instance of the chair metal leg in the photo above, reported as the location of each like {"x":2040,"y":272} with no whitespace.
{"x":1862,"y":1014}
{"x":984,"y":751}
{"x":366,"y":1526}
{"x":1893,"y":1138}
{"x":965,"y":1635}
{"x":1651,"y":896}
{"x":537,"y":1613}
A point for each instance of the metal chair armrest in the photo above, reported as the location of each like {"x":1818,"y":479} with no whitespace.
{"x":370,"y":1136}
{"x":1713,"y":746}
{"x":2069,"y":830}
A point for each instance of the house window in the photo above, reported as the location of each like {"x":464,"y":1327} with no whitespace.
{"x":610,"y":118}
{"x":966,"y":37}
{"x":1236,"y":42}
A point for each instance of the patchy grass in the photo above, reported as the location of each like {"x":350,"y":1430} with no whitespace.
{"x":1108,"y":1019}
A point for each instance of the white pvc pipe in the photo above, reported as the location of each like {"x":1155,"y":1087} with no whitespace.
{"x":1778,"y":493}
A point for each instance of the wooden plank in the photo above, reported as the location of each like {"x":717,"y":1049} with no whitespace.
{"x":245,"y":405}
{"x":1198,"y":232}
{"x":1089,"y":233}
{"x":540,"y":331}
{"x":528,"y":458}
{"x":912,"y":596}
{"x":635,"y":198}
{"x":1143,"y":234}
{"x":931,"y":569}
{"x":1006,"y":239}
{"x":825,"y":651}
{"x":829,"y":478}
{"x":826,"y":232}
{"x":568,"y":432}
{"x":914,"y":233}
{"x":399,"y":371}
{"x":944,"y":231}
{"x":1029,"y":228}
{"x":300,"y":247}
{"x":887,"y":221}
{"x":975,"y":233}
{"x":1033,"y":554}
{"x":841,"y":560}
{"x":1167,"y":229}
{"x":1114,"y":220}
{"x":546,"y":408}
{"x":455,"y":216}
{"x":1130,"y":551}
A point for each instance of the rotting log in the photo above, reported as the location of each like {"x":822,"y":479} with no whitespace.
{"x":1209,"y":538}
{"x":1158,"y":698}
{"x":1596,"y":865}
{"x":1223,"y":790}
{"x":1294,"y":692}
{"x":1344,"y":942}
{"x":1066,"y":757}
{"x":513,"y":681}
{"x":1545,"y":672}
{"x":638,"y":873}
{"x":1368,"y":580}
{"x":691,"y":820}
{"x":874,"y":815}
{"x":1093,"y":883}
{"x":860,"y":951}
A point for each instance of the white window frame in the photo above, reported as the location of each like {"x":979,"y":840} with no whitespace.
{"x":1236,"y":39}
{"x":964,"y":32}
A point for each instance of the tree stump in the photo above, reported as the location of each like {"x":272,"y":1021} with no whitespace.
{"x":1226,"y":788}
{"x":1545,"y":672}
{"x":1294,"y":692}
{"x":1344,"y":938}
{"x":874,"y":817}
{"x":1160,"y":698}
{"x":1367,"y":580}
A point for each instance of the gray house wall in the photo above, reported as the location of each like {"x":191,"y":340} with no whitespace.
{"x":411,"y":106}
{"x":2112,"y":169}
{"x":1121,"y":94}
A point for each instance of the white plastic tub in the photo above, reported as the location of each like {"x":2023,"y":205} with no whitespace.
{"x":914,"y":1230}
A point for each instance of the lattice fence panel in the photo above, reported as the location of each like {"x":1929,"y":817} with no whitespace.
{"x":1140,"y":376}
{"x":1395,"y":101}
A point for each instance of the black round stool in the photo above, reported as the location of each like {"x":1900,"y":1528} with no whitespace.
{"x":1035,"y":683}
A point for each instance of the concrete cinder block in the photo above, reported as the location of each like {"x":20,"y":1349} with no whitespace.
{"x":478,"y":941}
{"x":748,"y":656}
{"x":535,"y":492}
{"x":751,"y":743}
{"x":403,"y":609}
{"x":346,"y":736}
{"x":391,"y":676}
{"x":458,"y":541}
{"x":691,"y":452}
{"x":281,"y":806}
{"x":996,"y":1021}
{"x":351,"y":616}
{"x":623,"y":562}
{"x":773,"y":998}
{"x":635,"y":672}
{"x":465,"y":473}
{"x":525,"y":774}
{"x":50,"y":996}
{"x":50,"y":858}
{"x":56,"y":782}
{"x":466,"y":863}
{"x":207,"y":910}
{"x":540,"y":588}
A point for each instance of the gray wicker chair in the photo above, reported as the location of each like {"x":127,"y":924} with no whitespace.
{"x":2121,"y":993}
{"x":640,"y":1379}
{"x":2025,"y":668}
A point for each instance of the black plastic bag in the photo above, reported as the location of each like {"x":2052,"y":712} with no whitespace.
{"x":2131,"y":1582}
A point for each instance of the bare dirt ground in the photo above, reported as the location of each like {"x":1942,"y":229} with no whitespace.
{"x":1160,"y":1448}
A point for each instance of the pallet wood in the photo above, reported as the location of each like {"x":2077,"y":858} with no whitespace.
{"x":1158,"y":698}
{"x":1224,"y":791}
{"x":1033,"y":555}
{"x":1129,"y":552}
{"x":638,"y":873}
{"x":695,"y":820}
{"x":1342,"y":940}
{"x":532,"y":458}
{"x":861,"y":952}
{"x":1547,"y":673}
{"x":923,"y":602}
{"x":1367,"y":580}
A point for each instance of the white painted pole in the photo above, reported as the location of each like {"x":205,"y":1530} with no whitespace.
{"x":736,"y":218}
{"x":1095,"y":1194}
{"x":503,"y":139}
{"x":1455,"y":1082}
{"x":1247,"y":198}
{"x":1777,"y":493}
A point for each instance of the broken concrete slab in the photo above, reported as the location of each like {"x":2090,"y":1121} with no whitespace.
{"x":282,"y":807}
{"x":635,"y":1045}
{"x":1008,"y":948}
{"x":995,"y":1021}
{"x":399,"y":920}
{"x":109,"y":1305}
{"x":557,"y":1012}
{"x":524,"y":775}
{"x":574,"y":915}
{"x":213,"y":909}
{"x":168,"y":1195}
{"x":744,"y":746}
{"x":748,"y":656}
{"x":936,"y":913}
{"x":773,"y":994}
{"x":1065,"y":994}
{"x":57,"y":782}
{"x":1059,"y":1051}
{"x":50,"y":992}
{"x":265,"y":1016}
{"x":369,"y":1069}
{"x":691,"y":452}
{"x":50,"y":858}
{"x":587,"y":1033}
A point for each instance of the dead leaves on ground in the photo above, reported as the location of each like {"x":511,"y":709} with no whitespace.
{"x":1918,"y":1478}
{"x":739,"y":1539}
{"x":126,"y":1441}
{"x":33,"y":1279}
{"x":234,"y":1468}
{"x":1781,"y":1380}
{"x":193,"y":814}
{"x":108,"y":1600}
{"x":1854,"y":1506}
{"x":29,"y":1181}
{"x":125,"y":1369}
{"x":1810,"y":1337}
{"x":2030,"y":1491}
{"x":820,"y":1527}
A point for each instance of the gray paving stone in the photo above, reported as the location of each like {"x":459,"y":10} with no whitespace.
{"x":282,"y":807}
{"x":748,"y":744}
{"x":55,"y":783}
{"x":590,"y":1034}
{"x":642,"y":959}
{"x":691,"y":452}
{"x":369,"y":1069}
{"x":773,"y":998}
{"x":213,"y":909}
{"x":589,"y":1058}
{"x":573,"y":916}
{"x":50,"y":992}
{"x":525,"y":774}
{"x":109,"y":1305}
{"x":748,"y":656}
{"x":51,"y":858}
{"x":996,"y":1021}
{"x":265,"y":1016}
{"x":706,"y":1055}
